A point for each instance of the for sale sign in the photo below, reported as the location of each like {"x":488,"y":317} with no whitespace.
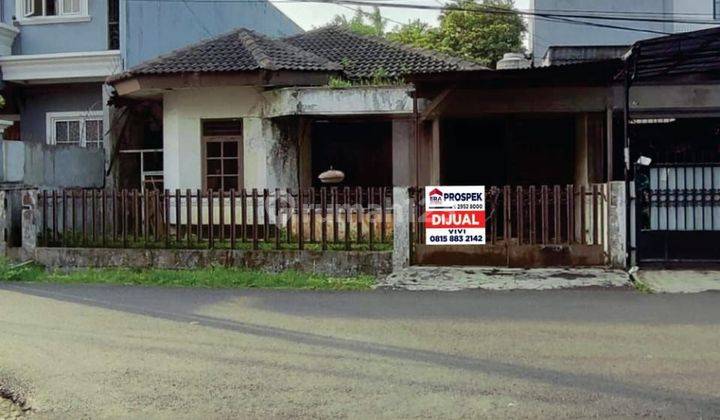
{"x":455,"y":215}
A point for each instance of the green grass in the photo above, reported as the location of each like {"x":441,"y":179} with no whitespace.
{"x":641,"y":287}
{"x":212,"y":277}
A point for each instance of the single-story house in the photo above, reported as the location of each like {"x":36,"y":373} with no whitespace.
{"x":277,"y":112}
{"x":244,"y":110}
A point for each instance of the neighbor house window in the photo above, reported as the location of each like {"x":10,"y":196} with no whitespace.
{"x":52,"y":10}
{"x":222,"y":154}
{"x":75,"y":128}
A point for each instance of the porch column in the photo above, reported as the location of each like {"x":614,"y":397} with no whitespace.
{"x":404,"y":153}
{"x":435,"y":153}
{"x":305,"y":152}
{"x":401,"y":228}
{"x":108,"y":137}
{"x":275,"y":143}
{"x":255,"y":153}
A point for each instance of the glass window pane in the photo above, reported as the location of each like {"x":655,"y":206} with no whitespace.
{"x":231,"y":182}
{"x":29,"y":7}
{"x":230,"y":167}
{"x":93,"y":130}
{"x":213,"y":149}
{"x":214,"y":167}
{"x":61,"y":131}
{"x":74,"y":131}
{"x":70,"y":7}
{"x":214,"y":182}
{"x":230,"y":149}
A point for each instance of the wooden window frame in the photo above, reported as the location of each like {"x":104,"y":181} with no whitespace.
{"x":222,"y":139}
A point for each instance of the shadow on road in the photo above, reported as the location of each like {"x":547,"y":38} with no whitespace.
{"x":591,"y":383}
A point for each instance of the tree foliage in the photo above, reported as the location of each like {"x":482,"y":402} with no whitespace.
{"x":363,"y":23}
{"x":483,"y":37}
{"x":478,"y":31}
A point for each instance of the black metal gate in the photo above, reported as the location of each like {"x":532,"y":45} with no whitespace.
{"x":678,"y":213}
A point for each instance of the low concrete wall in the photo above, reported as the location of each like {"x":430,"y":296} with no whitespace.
{"x":64,"y":166}
{"x":336,"y":263}
{"x":514,"y":256}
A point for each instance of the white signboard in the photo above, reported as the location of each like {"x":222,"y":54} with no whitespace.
{"x":455,"y":215}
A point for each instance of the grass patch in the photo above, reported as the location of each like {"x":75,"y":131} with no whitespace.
{"x":212,"y":277}
{"x":641,"y":287}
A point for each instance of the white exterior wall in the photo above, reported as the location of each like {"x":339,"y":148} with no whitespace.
{"x":270,"y":152}
{"x":544,"y":33}
{"x":184,"y":110}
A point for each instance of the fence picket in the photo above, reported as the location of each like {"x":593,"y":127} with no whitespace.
{"x":346,"y":203}
{"x":126,"y":218}
{"x":255,"y":244}
{"x":323,"y":212}
{"x":199,"y":201}
{"x":188,"y":215}
{"x":301,"y":224}
{"x":277,"y":218}
{"x":211,"y":215}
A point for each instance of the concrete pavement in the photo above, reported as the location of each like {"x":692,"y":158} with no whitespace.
{"x":501,"y":278}
{"x":678,"y":281}
{"x":104,"y":351}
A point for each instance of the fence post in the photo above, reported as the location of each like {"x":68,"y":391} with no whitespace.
{"x":30,"y":223}
{"x":401,"y":228}
{"x":3,"y":223}
{"x":616,"y":225}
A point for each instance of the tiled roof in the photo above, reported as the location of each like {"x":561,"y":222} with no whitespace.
{"x":238,"y":51}
{"x":329,"y":49}
{"x":365,"y":56}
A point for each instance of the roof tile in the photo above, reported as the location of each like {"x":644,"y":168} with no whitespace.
{"x":329,"y":49}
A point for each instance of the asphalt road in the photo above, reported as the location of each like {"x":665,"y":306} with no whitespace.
{"x":104,"y":351}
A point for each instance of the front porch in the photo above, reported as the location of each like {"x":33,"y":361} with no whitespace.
{"x":544,"y":143}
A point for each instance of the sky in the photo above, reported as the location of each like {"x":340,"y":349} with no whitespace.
{"x":311,"y":15}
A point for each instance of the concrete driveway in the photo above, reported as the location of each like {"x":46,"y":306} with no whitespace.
{"x":101,"y":351}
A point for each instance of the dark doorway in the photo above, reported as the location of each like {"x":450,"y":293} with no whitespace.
{"x":509,"y":150}
{"x":362,"y":150}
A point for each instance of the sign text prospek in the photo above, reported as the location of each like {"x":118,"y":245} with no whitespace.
{"x":455,"y":215}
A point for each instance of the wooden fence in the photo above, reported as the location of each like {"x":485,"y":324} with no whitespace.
{"x":536,"y":215}
{"x":346,"y":218}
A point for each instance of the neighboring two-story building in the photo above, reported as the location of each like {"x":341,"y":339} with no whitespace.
{"x":55,"y":56}
{"x":549,"y":38}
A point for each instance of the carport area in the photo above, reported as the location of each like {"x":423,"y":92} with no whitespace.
{"x":508,"y":150}
{"x":543,"y":142}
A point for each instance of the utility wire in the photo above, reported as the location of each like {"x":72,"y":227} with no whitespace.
{"x":576,"y":14}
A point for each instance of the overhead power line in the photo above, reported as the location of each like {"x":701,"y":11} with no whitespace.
{"x":586,"y":19}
